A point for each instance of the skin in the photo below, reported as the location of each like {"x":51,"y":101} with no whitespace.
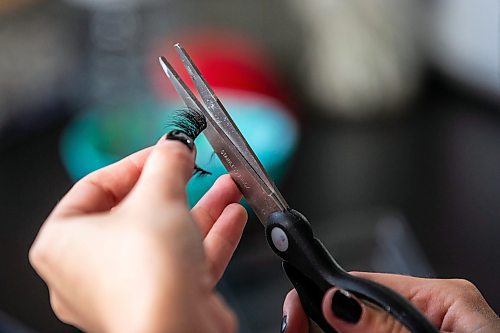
{"x":121,"y":252}
{"x":122,"y":244}
{"x":452,"y":305}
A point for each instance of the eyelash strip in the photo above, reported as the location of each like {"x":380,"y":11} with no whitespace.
{"x":192,"y":122}
{"x":200,"y":172}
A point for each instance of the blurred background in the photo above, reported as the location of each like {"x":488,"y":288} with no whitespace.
{"x":379,"y":119}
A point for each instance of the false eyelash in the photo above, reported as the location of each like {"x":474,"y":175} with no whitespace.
{"x":190,"y":121}
{"x":200,"y":172}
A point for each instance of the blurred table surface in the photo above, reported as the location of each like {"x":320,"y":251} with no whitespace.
{"x":439,"y":165}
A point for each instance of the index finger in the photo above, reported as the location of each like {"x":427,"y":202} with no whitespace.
{"x":103,"y":189}
{"x":208,"y":210}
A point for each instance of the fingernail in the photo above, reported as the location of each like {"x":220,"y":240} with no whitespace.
{"x":345,"y":307}
{"x":283,"y":323}
{"x":182,"y":137}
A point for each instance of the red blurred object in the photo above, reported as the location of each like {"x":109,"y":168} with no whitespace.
{"x":227,"y":60}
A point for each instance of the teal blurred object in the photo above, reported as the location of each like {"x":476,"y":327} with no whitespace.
{"x":103,"y":135}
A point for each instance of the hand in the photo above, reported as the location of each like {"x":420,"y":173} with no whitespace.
{"x":121,"y":252}
{"x":451,"y":305}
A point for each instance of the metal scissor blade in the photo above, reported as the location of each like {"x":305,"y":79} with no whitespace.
{"x":187,"y":96}
{"x":225,"y":122}
{"x":258,"y":195}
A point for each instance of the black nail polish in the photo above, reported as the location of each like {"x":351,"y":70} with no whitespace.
{"x":283,"y":323}
{"x":182,"y":137}
{"x":345,"y":307}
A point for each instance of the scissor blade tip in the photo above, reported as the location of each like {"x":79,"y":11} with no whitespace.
{"x":164,"y":65}
{"x":179,"y":48}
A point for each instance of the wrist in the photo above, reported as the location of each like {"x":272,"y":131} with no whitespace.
{"x":164,"y":315}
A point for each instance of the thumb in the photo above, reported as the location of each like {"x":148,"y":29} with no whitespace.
{"x":347,"y":314}
{"x":167,"y":170}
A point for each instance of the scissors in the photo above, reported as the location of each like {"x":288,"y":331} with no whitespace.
{"x":307,"y":263}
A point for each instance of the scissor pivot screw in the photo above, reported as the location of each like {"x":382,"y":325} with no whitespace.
{"x":279,"y":238}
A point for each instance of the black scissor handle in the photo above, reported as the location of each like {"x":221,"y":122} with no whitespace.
{"x":309,"y":265}
{"x":311,"y":297}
